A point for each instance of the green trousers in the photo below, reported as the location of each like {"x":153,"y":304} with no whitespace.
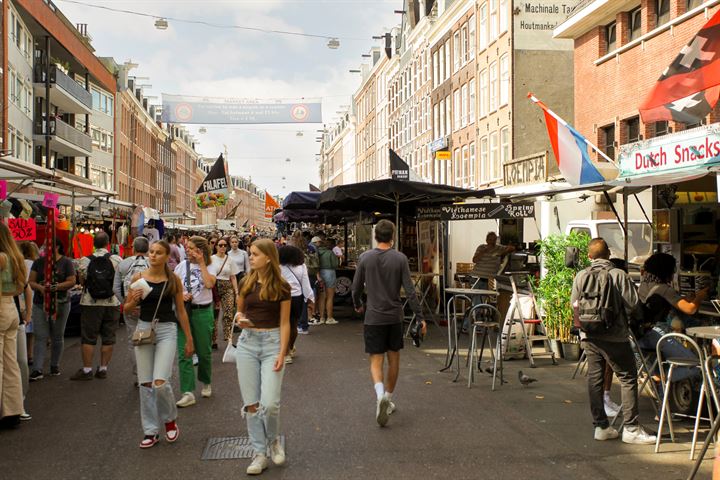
{"x":202,"y":321}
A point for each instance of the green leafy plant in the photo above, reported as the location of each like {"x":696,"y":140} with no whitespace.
{"x":554,"y":287}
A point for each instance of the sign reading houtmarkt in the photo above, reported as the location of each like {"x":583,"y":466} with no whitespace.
{"x":535,"y":21}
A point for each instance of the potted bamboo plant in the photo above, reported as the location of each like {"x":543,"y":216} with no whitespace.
{"x":554,"y":287}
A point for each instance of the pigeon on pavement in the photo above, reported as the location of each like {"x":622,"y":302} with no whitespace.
{"x":524,"y":379}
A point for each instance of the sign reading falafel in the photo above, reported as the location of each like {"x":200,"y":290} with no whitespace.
{"x":213,"y":191}
{"x":212,"y":110}
{"x":479,"y":211}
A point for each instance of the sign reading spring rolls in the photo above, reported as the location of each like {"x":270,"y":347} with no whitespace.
{"x":479,"y":211}
{"x":214,"y":110}
{"x":213,"y":191}
{"x":22,"y":229}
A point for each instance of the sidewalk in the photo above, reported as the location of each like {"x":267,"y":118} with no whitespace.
{"x":440,"y":430}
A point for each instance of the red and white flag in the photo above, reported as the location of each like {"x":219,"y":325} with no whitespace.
{"x":688,"y":89}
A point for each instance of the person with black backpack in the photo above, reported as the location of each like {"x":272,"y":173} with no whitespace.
{"x":99,"y":308}
{"x":603,"y":298}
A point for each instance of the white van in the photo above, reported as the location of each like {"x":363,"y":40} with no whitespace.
{"x":639,"y":237}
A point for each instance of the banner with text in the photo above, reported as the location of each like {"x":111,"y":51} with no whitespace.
{"x":213,"y":191}
{"x":478,"y":211}
{"x":22,"y":229}
{"x":270,"y":205}
{"x":535,"y":21}
{"x":213,"y":110}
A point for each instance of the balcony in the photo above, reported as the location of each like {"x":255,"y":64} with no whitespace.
{"x":65,"y":92}
{"x":64,"y":139}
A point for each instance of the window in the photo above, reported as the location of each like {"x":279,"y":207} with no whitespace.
{"x":450,"y":179}
{"x":503,"y":16}
{"x":436,"y":70}
{"x":471,"y":102}
{"x":662,"y":12}
{"x":483,"y":27}
{"x":493,"y":87}
{"x":471,"y":38}
{"x":504,"y":79}
{"x":442,"y":118}
{"x":633,"y":129}
{"x":493,"y":19}
{"x":504,"y":148}
{"x":457,"y":110}
{"x":611,"y":36}
{"x":441,"y":77}
{"x":607,"y":140}
{"x":464,"y":101}
{"x":483,"y":107}
{"x":494,"y":157}
{"x":448,"y":66}
{"x":456,"y":51}
{"x":635,"y":24}
{"x":484,"y":164}
{"x":436,"y":121}
{"x":448,"y":112}
{"x":662,"y":128}
{"x":693,"y":4}
{"x":473,"y":165}
{"x":465,"y":165}
{"x":464,"y":45}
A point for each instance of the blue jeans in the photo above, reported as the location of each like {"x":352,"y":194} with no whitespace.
{"x":155,"y":362}
{"x":670,"y":348}
{"x":257,"y":351}
{"x":44,"y":328}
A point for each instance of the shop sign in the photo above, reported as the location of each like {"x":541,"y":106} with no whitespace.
{"x":527,"y":170}
{"x":534,"y":22}
{"x":692,"y":148}
{"x":22,"y":229}
{"x":227,"y":225}
{"x":479,"y":211}
{"x":439,"y":144}
{"x":443,"y":155}
{"x":50,"y":200}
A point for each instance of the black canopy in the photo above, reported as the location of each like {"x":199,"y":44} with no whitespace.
{"x":390,"y":195}
{"x":301,"y":201}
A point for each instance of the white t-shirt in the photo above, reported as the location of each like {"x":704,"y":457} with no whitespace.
{"x":152,"y":234}
{"x":240,"y":258}
{"x":201,"y":295}
{"x":230,"y":268}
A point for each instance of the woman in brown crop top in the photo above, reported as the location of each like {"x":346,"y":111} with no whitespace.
{"x":264,"y":315}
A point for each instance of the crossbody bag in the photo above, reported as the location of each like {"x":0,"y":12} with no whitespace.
{"x":146,"y":336}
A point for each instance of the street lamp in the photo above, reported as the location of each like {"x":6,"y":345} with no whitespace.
{"x":333,"y":44}
{"x":161,"y":24}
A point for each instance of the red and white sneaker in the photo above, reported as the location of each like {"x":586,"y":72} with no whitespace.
{"x":172,"y":432}
{"x":149,"y":441}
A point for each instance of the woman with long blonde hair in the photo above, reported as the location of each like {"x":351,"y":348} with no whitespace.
{"x":264,"y":315}
{"x":12,"y":282}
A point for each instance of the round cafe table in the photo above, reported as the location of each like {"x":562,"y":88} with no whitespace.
{"x":706,"y":333}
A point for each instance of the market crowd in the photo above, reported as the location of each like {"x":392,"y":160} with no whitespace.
{"x":179,"y":298}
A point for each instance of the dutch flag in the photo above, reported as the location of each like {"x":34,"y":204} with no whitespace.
{"x":570,"y":148}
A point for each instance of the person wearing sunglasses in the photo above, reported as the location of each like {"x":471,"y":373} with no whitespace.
{"x":226,"y":284}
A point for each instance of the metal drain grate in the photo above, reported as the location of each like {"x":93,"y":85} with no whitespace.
{"x":227,"y":448}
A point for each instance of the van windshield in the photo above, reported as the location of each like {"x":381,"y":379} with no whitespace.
{"x":639,"y":240}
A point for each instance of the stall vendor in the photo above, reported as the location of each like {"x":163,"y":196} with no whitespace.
{"x":487,"y":259}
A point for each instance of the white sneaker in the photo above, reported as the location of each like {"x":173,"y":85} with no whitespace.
{"x":331,"y":321}
{"x":611,"y":408}
{"x":637,"y":435}
{"x":315,"y":321}
{"x":186,"y":400}
{"x":608,"y":433}
{"x":288,"y":359}
{"x":196,"y":360}
{"x":391,"y":407}
{"x":293,"y":351}
{"x":259,"y":463}
{"x":206,"y":392}
{"x":381,"y":411}
{"x":277,"y":452}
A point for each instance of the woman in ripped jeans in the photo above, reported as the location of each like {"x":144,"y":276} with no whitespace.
{"x":155,"y":361}
{"x":264,"y":315}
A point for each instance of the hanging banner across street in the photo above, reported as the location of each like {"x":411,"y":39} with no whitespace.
{"x":215,"y":110}
{"x":213,"y":191}
{"x":479,"y":211}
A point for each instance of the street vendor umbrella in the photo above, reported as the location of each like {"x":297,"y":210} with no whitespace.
{"x":390,"y":195}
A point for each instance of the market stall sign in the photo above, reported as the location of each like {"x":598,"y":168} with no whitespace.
{"x":50,"y":200}
{"x":480,"y":211}
{"x":442,"y":155}
{"x":692,"y":148}
{"x":3,"y":189}
{"x":22,"y":229}
{"x":527,"y":170}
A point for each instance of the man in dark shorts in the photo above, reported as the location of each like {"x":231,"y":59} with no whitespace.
{"x":380,"y":273}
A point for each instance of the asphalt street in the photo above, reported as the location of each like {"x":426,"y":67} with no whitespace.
{"x":90,"y":430}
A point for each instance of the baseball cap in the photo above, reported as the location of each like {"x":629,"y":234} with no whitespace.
{"x":316,"y":240}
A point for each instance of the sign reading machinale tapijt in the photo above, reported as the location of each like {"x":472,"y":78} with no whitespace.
{"x":478,"y":211}
{"x":213,"y":191}
{"x":215,"y":110}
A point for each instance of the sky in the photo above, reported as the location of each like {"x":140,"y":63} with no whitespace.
{"x":192,"y":59}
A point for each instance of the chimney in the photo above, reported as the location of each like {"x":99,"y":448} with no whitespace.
{"x":131,"y":84}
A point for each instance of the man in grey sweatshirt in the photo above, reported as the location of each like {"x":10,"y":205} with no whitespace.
{"x":380,"y":274}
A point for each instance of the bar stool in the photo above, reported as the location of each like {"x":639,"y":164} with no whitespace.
{"x":485,"y":317}
{"x":674,"y":362}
